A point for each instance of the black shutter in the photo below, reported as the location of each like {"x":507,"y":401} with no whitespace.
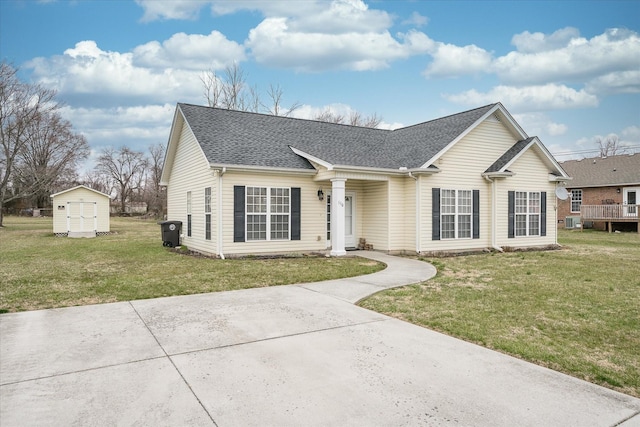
{"x":238,"y":213}
{"x":295,"y":213}
{"x":512,"y":214}
{"x":435,"y":214}
{"x":543,"y":213}
{"x":476,"y":214}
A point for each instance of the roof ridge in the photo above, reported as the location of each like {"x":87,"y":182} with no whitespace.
{"x":281,"y":117}
{"x":446,"y":117}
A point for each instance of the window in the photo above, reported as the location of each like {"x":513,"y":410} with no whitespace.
{"x":576,"y":200}
{"x":207,"y":216}
{"x":268,"y":218}
{"x":456,"y":209}
{"x":188,"y":213}
{"x":527,"y":213}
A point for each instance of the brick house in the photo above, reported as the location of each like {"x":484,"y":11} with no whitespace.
{"x":603,"y":193}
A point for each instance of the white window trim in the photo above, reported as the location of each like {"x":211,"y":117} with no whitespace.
{"x":268,"y":214}
{"x":572,"y":201}
{"x":527,"y":214}
{"x":456,"y":215}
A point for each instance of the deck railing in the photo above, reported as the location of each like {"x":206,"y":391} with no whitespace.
{"x":609,"y":212}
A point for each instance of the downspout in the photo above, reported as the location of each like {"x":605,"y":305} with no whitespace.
{"x":494,"y":206}
{"x":418,"y":238}
{"x":220,"y":228}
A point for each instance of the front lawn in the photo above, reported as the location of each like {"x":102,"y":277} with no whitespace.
{"x":39,"y":270}
{"x":576,"y":310}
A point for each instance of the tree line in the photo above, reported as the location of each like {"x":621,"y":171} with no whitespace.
{"x":41,"y":152}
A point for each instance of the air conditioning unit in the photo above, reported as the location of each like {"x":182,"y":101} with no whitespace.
{"x":572,"y":222}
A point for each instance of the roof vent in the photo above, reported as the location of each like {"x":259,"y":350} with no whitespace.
{"x":495,"y":116}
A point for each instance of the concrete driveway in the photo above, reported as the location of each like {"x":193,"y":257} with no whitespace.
{"x":300,"y":355}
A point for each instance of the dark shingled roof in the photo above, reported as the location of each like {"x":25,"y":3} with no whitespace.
{"x":509,"y":155}
{"x":603,"y":171}
{"x":250,"y":139}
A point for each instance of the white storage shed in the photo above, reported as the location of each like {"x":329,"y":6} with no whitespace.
{"x":80,"y":212}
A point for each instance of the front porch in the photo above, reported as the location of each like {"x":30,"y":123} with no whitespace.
{"x":610,"y":214}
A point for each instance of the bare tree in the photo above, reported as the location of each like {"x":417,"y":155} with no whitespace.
{"x":127,"y":170}
{"x":609,"y":146}
{"x":354,"y":118}
{"x":230,"y":90}
{"x":227,"y":90}
{"x":21,"y":105}
{"x":49,"y":158}
{"x":98,"y":181}
{"x":275,"y":94}
{"x":155,"y":196}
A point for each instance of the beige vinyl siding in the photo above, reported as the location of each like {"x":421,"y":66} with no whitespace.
{"x":531,"y":174}
{"x":84,"y":195}
{"x":312,"y":221}
{"x":191,"y":172}
{"x":461,"y":169}
{"x":401,"y":207}
{"x":375,"y":218}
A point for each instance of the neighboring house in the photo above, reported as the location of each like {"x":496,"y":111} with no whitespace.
{"x":80,"y":212}
{"x":130,"y":208}
{"x":602,"y":194}
{"x":246,"y":183}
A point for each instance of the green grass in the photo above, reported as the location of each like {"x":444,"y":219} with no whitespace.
{"x":576,"y":310}
{"x":39,"y":270}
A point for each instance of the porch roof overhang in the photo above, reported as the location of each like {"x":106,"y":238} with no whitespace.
{"x":325,"y":170}
{"x":505,"y":174}
{"x":260,"y":169}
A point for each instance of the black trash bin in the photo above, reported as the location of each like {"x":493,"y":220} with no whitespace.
{"x":170,"y":233}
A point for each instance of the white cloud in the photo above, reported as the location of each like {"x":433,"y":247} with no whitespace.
{"x":452,"y":61}
{"x":631,"y":133}
{"x":136,"y":127}
{"x":190,"y":51}
{"x":273,"y":42}
{"x":145,"y":74}
{"x":539,"y":124}
{"x":416,"y":20}
{"x":577,"y":60}
{"x":528,"y":98}
{"x":616,"y":82}
{"x":527,"y":42}
{"x":175,"y":9}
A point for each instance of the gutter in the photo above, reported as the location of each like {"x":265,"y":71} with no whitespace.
{"x":220,"y":172}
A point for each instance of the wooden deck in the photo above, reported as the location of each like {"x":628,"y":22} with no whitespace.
{"x":610,"y":214}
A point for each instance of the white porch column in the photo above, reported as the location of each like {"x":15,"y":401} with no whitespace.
{"x":337,"y":217}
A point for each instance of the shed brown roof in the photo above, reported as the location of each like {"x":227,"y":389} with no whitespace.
{"x":604,"y":171}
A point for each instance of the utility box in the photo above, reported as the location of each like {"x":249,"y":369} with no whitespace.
{"x":170,"y":233}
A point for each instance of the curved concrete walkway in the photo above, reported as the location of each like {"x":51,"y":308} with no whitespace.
{"x":300,"y":355}
{"x":399,"y":272}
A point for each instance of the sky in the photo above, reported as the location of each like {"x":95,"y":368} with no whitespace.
{"x":568,"y":71}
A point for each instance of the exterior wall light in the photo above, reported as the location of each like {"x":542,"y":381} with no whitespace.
{"x":320,"y":194}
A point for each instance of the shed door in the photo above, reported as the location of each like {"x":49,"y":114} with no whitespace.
{"x":82,"y":217}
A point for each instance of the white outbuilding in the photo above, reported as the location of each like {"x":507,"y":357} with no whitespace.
{"x":80,"y":212}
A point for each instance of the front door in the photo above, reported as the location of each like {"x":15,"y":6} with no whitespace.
{"x":349,"y":220}
{"x":630,"y":201}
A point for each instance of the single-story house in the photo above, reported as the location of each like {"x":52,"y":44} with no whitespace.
{"x":80,"y":212}
{"x":246,"y":183}
{"x":603,"y":193}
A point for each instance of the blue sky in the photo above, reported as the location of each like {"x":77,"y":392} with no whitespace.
{"x":568,"y":71}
